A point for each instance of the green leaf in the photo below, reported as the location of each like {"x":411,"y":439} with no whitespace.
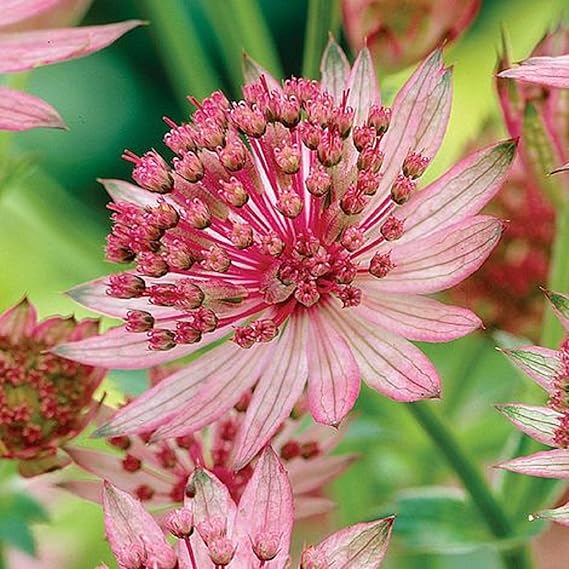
{"x":17,"y":534}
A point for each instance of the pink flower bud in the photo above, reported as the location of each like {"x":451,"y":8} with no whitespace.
{"x":180,"y":522}
{"x":380,"y":265}
{"x":139,"y":321}
{"x":197,"y":214}
{"x":189,"y":166}
{"x":402,"y":189}
{"x":126,"y":285}
{"x":161,"y":339}
{"x":318,"y":181}
{"x":234,"y":193}
{"x":392,"y":229}
{"x":289,"y":203}
{"x":266,"y":546}
{"x":151,"y":264}
{"x":151,"y":171}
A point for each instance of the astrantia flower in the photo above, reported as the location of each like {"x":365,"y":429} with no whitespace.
{"x":402,"y":32}
{"x":213,"y":531}
{"x":505,"y":292}
{"x":45,"y":400}
{"x":157,"y":471}
{"x":546,"y":424}
{"x":23,"y":48}
{"x":308,"y":247}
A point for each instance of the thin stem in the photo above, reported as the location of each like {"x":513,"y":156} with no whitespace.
{"x":474,"y":483}
{"x":322,"y":19}
{"x":178,"y":41}
{"x":191,"y":553}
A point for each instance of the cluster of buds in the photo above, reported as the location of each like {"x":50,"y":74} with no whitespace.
{"x":45,"y":399}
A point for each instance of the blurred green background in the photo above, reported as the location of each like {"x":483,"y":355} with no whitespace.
{"x":53,"y":223}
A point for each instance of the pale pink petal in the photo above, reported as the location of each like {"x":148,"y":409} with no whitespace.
{"x":333,"y":373}
{"x":563,"y":168}
{"x":362,"y":86}
{"x":119,"y":349}
{"x":443,"y":259}
{"x":129,"y":526}
{"x":548,"y":71}
{"x":211,"y":500}
{"x":219,"y":392}
{"x":560,"y":304}
{"x":164,"y":401}
{"x":16,"y":10}
{"x":19,"y":321}
{"x":558,"y":515}
{"x":109,"y":466}
{"x":22,"y":111}
{"x":389,"y":364}
{"x":125,"y":192}
{"x":415,"y":317}
{"x":460,"y":193}
{"x":54,"y":330}
{"x":308,"y":476}
{"x":266,"y":508}
{"x":540,"y":423}
{"x":252,"y":72}
{"x":541,"y":364}
{"x":309,"y":506}
{"x":87,"y":489}
{"x":200,"y":552}
{"x":362,"y":545}
{"x":276,"y":393}
{"x":546,"y":464}
{"x":335,"y":70}
{"x":22,"y":51}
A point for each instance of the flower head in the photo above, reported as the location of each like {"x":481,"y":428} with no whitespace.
{"x":402,"y":32}
{"x":44,"y":399}
{"x":27,"y":41}
{"x":309,"y":248}
{"x":213,"y":530}
{"x":549,"y":424}
{"x":506,"y":290}
{"x":156,"y":471}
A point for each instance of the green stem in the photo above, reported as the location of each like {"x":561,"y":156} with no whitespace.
{"x":474,"y":483}
{"x":178,"y":41}
{"x":322,"y":19}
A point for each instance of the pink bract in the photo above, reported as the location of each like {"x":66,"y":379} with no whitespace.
{"x":402,"y":32}
{"x":45,"y":399}
{"x":543,"y":70}
{"x":24,"y":47}
{"x":214,"y":531}
{"x":311,"y":250}
{"x":549,"y":424}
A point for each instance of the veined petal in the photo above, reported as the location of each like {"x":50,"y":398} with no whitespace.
{"x":541,"y":364}
{"x":252,"y":72}
{"x":276,"y":393}
{"x":14,"y":11}
{"x":545,"y":464}
{"x":119,"y":349}
{"x":125,"y":192}
{"x":22,"y":51}
{"x":442,"y":259}
{"x":333,"y":373}
{"x":266,"y":508}
{"x":415,"y":317}
{"x":128,"y":525}
{"x":163,"y":402}
{"x":19,"y":321}
{"x":362,"y":86}
{"x":91,"y":490}
{"x":459,"y":193}
{"x":558,"y":515}
{"x":218,"y":393}
{"x":22,"y":111}
{"x":362,"y":545}
{"x":389,"y":364}
{"x":540,"y":423}
{"x":335,"y":70}
{"x":54,"y":330}
{"x":308,"y":506}
{"x":307,"y":477}
{"x":200,"y":552}
{"x":560,"y":305}
{"x":549,"y":71}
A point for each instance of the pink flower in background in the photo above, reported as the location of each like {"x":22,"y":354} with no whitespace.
{"x":505,"y":291}
{"x":24,"y":47}
{"x":215,"y":531}
{"x":310,"y":249}
{"x":45,"y":400}
{"x":402,"y":32}
{"x":549,"y":424}
{"x":157,"y":471}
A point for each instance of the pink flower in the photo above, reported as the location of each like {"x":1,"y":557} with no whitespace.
{"x":402,"y":32}
{"x":157,"y":471}
{"x":310,"y":250}
{"x":549,"y":424}
{"x":23,"y":48}
{"x":214,"y":531}
{"x":45,"y":399}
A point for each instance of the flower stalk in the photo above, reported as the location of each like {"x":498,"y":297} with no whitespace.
{"x":496,"y":519}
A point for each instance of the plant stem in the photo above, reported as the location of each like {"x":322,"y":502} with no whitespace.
{"x":474,"y":483}
{"x":322,"y":19}
{"x":178,"y":41}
